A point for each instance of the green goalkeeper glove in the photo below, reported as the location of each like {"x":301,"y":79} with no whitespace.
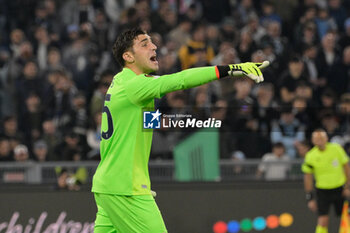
{"x":249,"y":69}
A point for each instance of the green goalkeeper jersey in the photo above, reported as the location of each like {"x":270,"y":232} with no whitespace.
{"x":125,"y":145}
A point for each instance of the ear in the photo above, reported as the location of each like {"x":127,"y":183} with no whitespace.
{"x":128,"y":57}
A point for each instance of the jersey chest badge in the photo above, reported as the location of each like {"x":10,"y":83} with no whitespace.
{"x":335,"y":163}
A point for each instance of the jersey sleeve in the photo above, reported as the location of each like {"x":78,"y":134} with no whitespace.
{"x":307,"y":166}
{"x":145,"y":87}
{"x":343,"y":157}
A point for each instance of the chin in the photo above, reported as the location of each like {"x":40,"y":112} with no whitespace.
{"x":152,"y":69}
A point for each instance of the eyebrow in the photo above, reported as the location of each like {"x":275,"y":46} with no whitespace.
{"x":146,"y":39}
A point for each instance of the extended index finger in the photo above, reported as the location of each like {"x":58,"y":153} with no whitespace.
{"x":263,"y":65}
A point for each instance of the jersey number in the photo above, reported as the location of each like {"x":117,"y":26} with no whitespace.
{"x":106,"y":135}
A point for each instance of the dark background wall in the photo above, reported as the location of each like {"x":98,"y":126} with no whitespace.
{"x":186,"y":207}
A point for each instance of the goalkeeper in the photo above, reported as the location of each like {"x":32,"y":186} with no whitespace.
{"x":121,"y":184}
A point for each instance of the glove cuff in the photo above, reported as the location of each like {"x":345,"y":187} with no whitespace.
{"x":222,"y":71}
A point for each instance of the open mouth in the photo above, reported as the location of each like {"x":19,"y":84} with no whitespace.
{"x":153,"y":58}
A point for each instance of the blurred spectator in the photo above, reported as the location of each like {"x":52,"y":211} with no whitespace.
{"x":227,"y":53}
{"x":303,"y":113}
{"x":244,"y":9}
{"x":228,"y":30}
{"x":51,"y":138}
{"x":290,"y":78}
{"x":327,"y":56}
{"x":79,"y":116}
{"x":254,"y":28}
{"x":80,"y":57}
{"x":324,"y":22}
{"x":219,"y":112}
{"x":16,"y":37}
{"x":264,"y":107}
{"x":269,"y":14}
{"x":181,"y":33}
{"x":287,"y":130}
{"x":309,"y":59}
{"x":29,"y":83}
{"x":275,"y":38}
{"x":274,"y":165}
{"x":6,"y":154}
{"x":338,"y":13}
{"x":306,"y":28}
{"x":58,"y":105}
{"x":66,"y":180}
{"x":338,"y":78}
{"x":40,"y":151}
{"x":213,"y":37}
{"x":249,"y":133}
{"x":188,"y":54}
{"x":98,"y":97}
{"x":17,"y":63}
{"x":77,"y":12}
{"x":246,"y":46}
{"x":302,"y":148}
{"x":94,"y":137}
{"x":304,"y":90}
{"x":10,"y":131}
{"x":42,"y":47}
{"x":30,"y":120}
{"x":328,"y":99}
{"x":344,"y":39}
{"x":114,"y":9}
{"x":21,"y":153}
{"x":241,"y":102}
{"x":330,"y":124}
{"x":70,"y":148}
{"x":344,"y":112}
{"x":54,"y":61}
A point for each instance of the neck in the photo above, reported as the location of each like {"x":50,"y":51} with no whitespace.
{"x":134,"y":68}
{"x":322,"y":147}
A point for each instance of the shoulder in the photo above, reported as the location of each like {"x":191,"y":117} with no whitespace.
{"x":334,"y":146}
{"x":311,"y":152}
{"x":267,"y":156}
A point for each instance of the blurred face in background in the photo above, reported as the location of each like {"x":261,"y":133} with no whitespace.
{"x":296,"y":68}
{"x":17,"y":36}
{"x":199,"y":34}
{"x":4,"y":147}
{"x":328,"y":41}
{"x":278,"y":151}
{"x":49,"y":127}
{"x":274,"y":29}
{"x":54,"y":57}
{"x":320,"y":139}
{"x":346,"y":56}
{"x":30,"y":70}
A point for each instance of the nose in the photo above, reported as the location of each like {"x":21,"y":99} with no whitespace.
{"x":153,"y":46}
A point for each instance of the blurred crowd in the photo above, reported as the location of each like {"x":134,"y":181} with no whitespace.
{"x":56,"y":66}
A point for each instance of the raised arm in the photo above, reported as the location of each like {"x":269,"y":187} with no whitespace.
{"x":146,"y":87}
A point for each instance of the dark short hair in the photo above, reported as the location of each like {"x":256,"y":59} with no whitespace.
{"x":278,"y":145}
{"x":124,"y":42}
